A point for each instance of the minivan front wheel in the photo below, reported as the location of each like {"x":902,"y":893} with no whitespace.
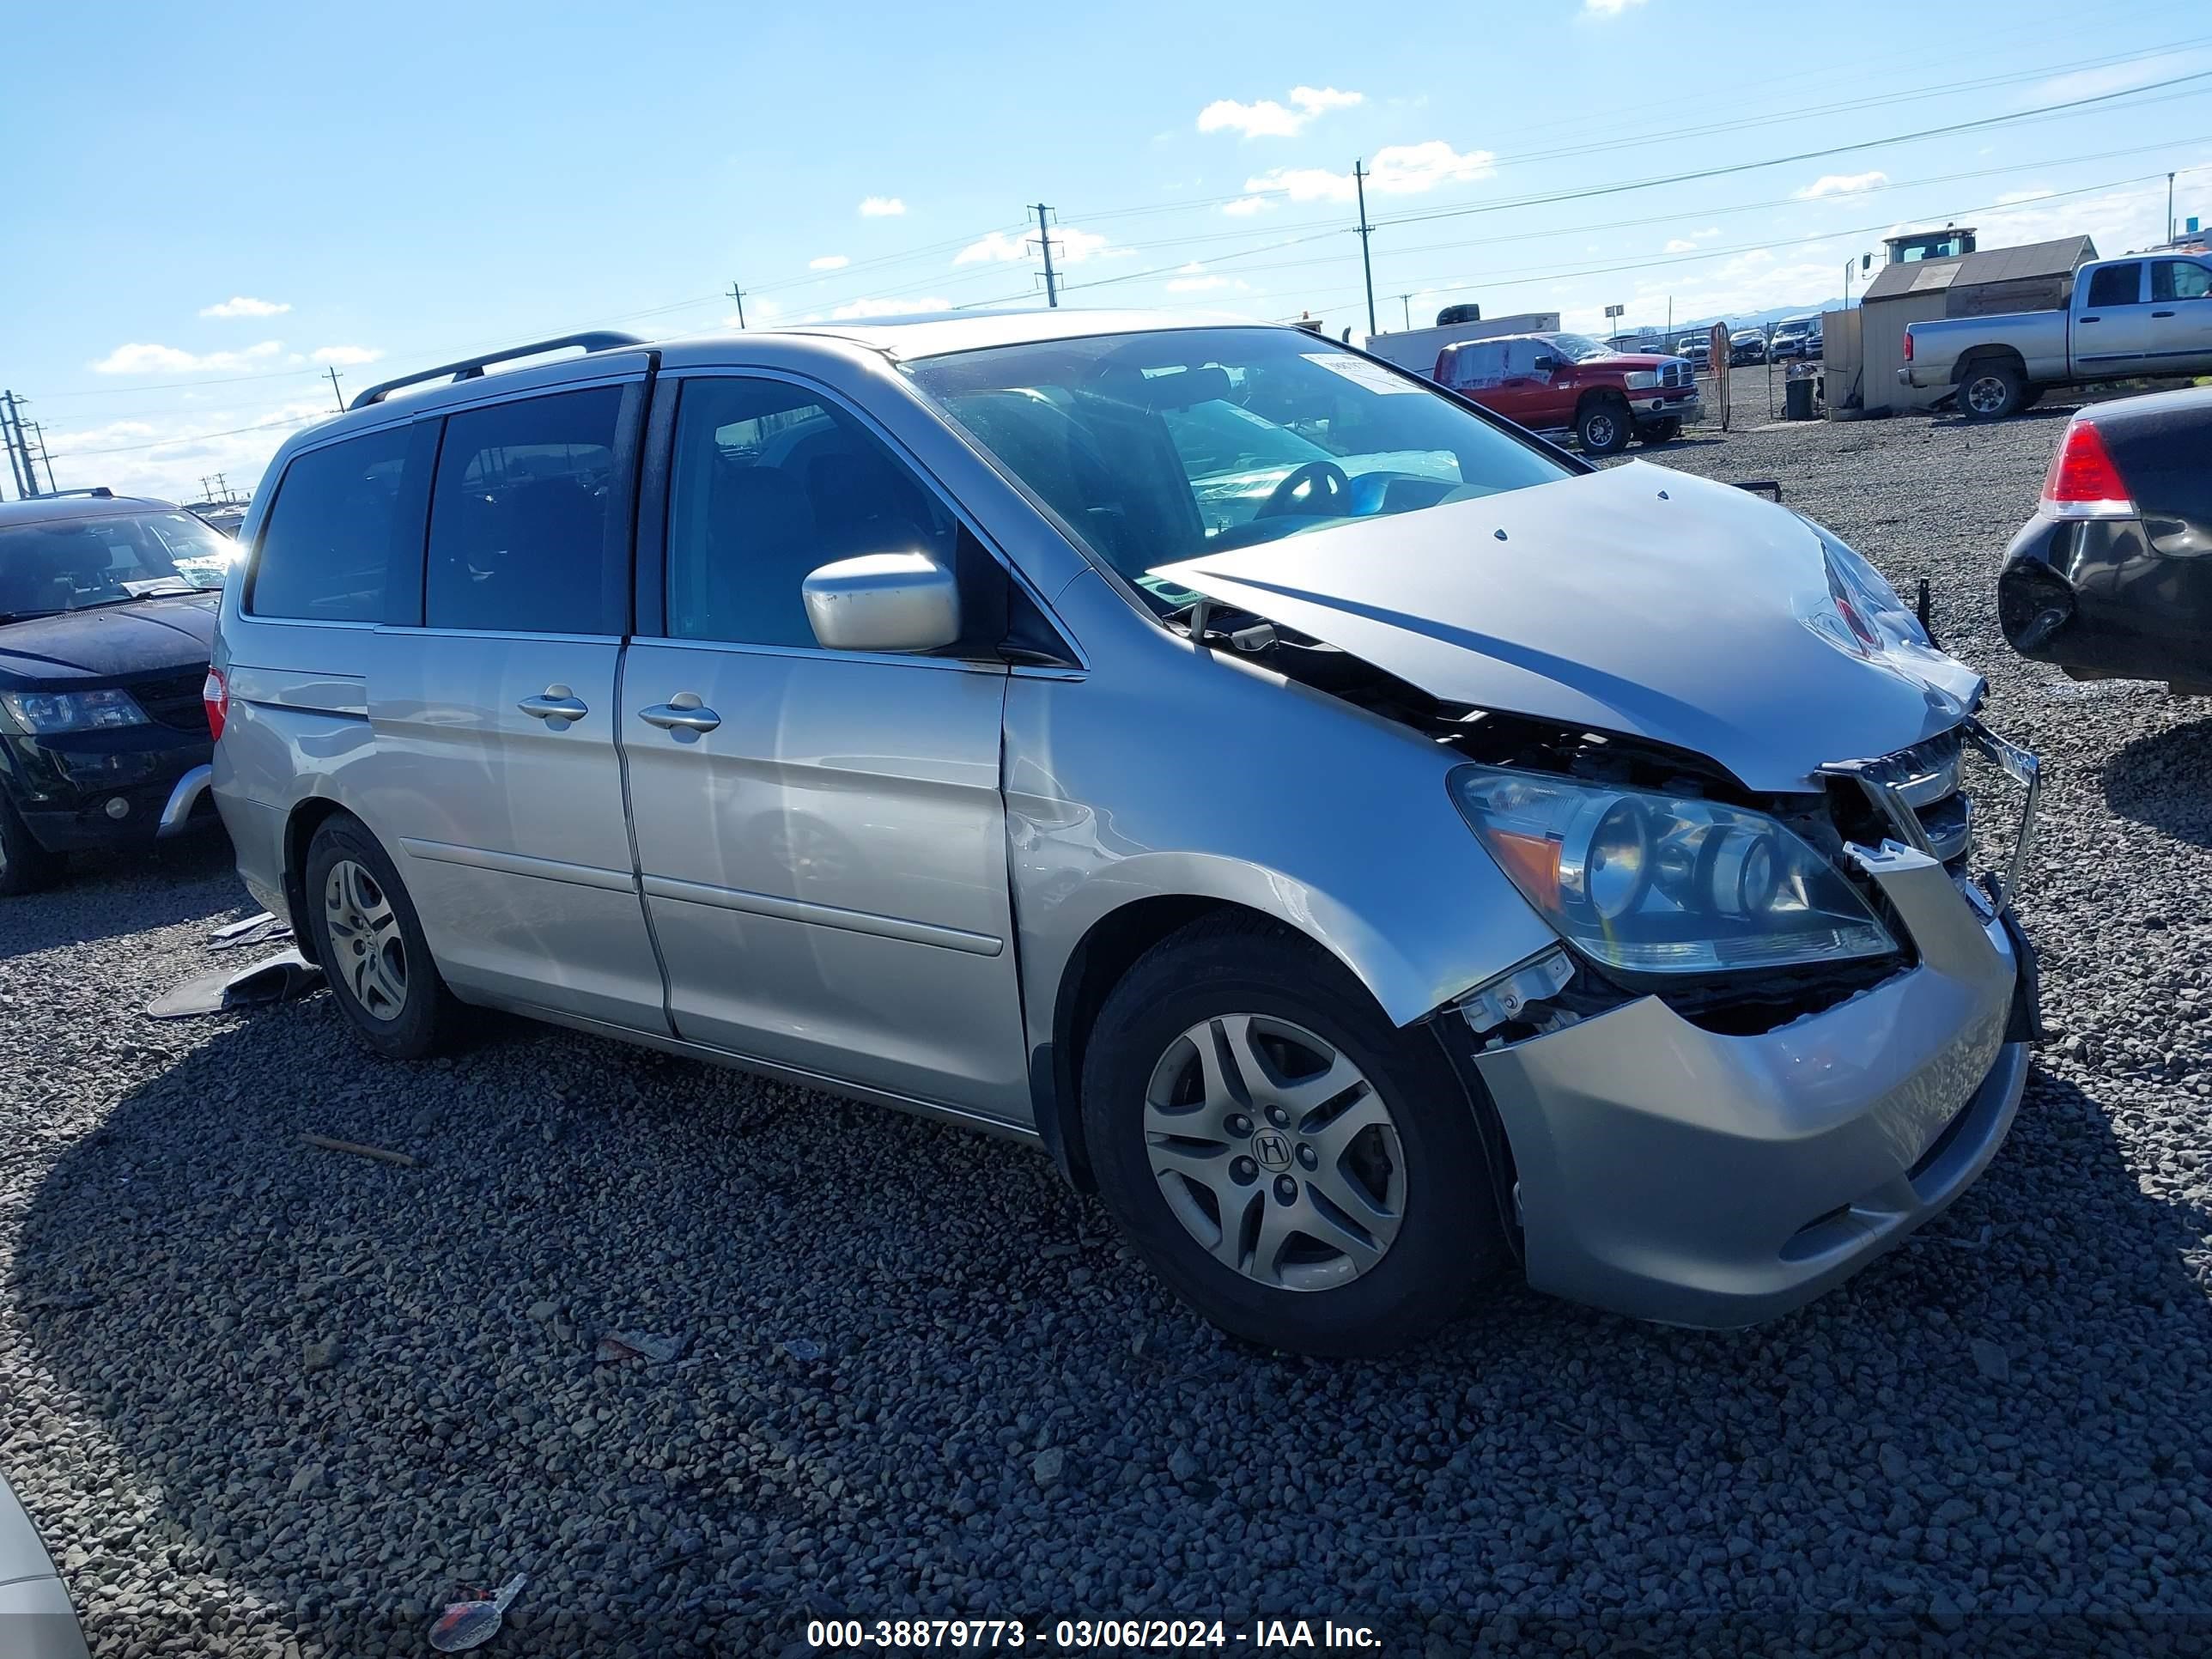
{"x":369,"y":942}
{"x":1302,"y":1174}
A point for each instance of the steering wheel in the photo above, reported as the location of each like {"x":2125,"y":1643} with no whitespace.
{"x":1326,"y":492}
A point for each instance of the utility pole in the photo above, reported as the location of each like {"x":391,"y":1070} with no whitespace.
{"x":18,"y":458}
{"x":1044,"y":240}
{"x":2169,"y":207}
{"x":1366,"y":263}
{"x":39,"y":433}
{"x":1406,"y":300}
{"x":335,"y":392}
{"x":738,"y":294}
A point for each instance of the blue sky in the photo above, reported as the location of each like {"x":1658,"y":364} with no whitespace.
{"x":206,"y":207}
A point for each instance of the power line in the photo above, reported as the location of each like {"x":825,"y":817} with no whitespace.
{"x":1697,"y":174}
{"x":1642,"y":138}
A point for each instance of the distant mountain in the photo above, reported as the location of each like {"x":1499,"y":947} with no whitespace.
{"x":1742,"y":319}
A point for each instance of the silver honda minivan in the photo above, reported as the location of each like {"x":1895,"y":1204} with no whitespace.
{"x":1370,"y":847}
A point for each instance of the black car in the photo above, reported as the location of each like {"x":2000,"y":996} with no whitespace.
{"x":107,"y":604}
{"x":2113,"y":577}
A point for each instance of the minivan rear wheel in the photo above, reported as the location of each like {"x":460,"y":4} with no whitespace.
{"x":370,"y":941}
{"x":1301,"y":1173}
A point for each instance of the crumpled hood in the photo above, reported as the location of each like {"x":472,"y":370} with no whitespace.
{"x":110,"y":642}
{"x":1635,"y":601}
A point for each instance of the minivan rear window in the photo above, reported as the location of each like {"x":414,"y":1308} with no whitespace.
{"x":519,"y":516}
{"x":327,"y":542}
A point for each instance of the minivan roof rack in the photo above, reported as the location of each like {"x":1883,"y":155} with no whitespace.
{"x":99,"y":491}
{"x":471,"y":368}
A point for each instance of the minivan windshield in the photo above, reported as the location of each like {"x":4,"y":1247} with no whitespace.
{"x":72,"y":564}
{"x":1156,"y":447}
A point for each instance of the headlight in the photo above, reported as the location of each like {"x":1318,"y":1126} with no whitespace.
{"x":1654,"y":884}
{"x":42,"y":712}
{"x":1642,"y":379}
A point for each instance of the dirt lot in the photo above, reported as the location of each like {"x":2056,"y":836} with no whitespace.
{"x":265,"y":1400}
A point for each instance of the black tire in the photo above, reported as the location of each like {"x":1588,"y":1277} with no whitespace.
{"x":1449,"y":1235}
{"x":422,"y":1021}
{"x":1990,"y":390}
{"x":1603,"y":426}
{"x":1660,"y":432}
{"x":25,"y":867}
{"x":2029,"y":396}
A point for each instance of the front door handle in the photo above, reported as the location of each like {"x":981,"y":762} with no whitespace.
{"x":558,"y":707}
{"x":2162,"y":313}
{"x":683,"y":712}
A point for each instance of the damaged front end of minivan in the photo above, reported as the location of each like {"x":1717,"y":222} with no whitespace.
{"x":1784,"y":1014}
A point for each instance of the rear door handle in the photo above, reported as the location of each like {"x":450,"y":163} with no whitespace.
{"x":2089,"y":319}
{"x":683,"y":712}
{"x":2162,"y":313}
{"x":558,"y":707}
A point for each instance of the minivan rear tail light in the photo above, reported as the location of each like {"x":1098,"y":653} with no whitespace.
{"x":215,"y":692}
{"x":2083,"y":483}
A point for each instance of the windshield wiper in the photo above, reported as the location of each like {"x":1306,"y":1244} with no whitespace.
{"x":1257,"y":634}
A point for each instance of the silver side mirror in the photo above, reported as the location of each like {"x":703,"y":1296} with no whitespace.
{"x":904,"y":602}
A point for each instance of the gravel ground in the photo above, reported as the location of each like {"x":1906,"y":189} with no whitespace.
{"x":266,"y":1400}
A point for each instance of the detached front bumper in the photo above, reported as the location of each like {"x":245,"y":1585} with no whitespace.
{"x":1674,"y":1173}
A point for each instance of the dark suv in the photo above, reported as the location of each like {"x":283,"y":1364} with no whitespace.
{"x":106,"y":607}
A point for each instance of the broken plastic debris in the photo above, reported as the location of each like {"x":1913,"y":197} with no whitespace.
{"x":465,"y":1625}
{"x":641,"y":1344}
{"x":275,"y":979}
{"x":254,"y":930}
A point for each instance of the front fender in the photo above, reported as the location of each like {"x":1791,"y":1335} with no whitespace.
{"x":1185,"y":773}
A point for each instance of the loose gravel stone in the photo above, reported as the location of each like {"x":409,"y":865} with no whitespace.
{"x":1539,"y":1478}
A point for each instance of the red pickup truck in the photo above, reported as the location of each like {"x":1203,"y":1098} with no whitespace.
{"x":1561,"y":383}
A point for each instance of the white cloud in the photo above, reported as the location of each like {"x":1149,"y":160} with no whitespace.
{"x":140,"y":358}
{"x":828,"y":262}
{"x":1678,"y":245}
{"x":856,"y":309}
{"x":881,"y":207}
{"x":1398,"y":170}
{"x":1607,"y":8}
{"x":1245,"y":206}
{"x":236,"y":440}
{"x":1268,"y":119}
{"x":2014,"y":197}
{"x":2108,"y":78}
{"x":345,"y":356}
{"x":1840,"y":184}
{"x":998,"y":247}
{"x":1070,"y":246}
{"x":240,"y":305}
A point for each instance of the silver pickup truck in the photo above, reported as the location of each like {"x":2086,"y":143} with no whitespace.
{"x":2149,"y":314}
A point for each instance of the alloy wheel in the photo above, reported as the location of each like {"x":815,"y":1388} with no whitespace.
{"x":1600,"y":431}
{"x":1986,"y":394}
{"x":371,"y":956}
{"x":1275,"y":1151}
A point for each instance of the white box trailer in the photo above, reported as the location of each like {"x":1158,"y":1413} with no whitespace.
{"x":1417,"y":348}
